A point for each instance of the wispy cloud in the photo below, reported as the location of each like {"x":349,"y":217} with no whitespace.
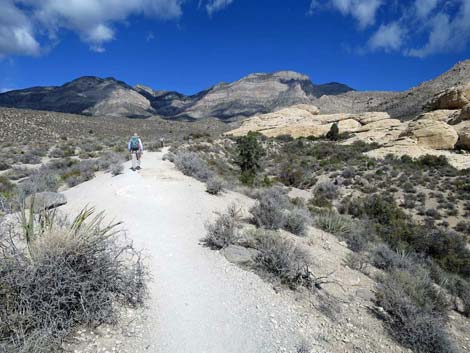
{"x":216,"y":5}
{"x":388,"y":37}
{"x":363,"y":11}
{"x":93,"y":20}
{"x":444,"y":24}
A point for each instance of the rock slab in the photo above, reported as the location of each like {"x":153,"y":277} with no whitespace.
{"x":45,"y":201}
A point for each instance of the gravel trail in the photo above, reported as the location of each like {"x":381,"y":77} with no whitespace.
{"x":199,"y":302}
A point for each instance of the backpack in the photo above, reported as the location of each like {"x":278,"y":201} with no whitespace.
{"x":134,"y":143}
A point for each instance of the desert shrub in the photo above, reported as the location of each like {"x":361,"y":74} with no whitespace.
{"x":332,"y":222}
{"x":29,"y":157}
{"x":111,"y":162}
{"x":463,"y":226}
{"x":214,"y":186}
{"x":284,"y":259}
{"x":17,"y":173}
{"x":348,"y":173}
{"x":449,"y":249}
{"x":79,"y":173}
{"x":5,"y":207}
{"x":67,"y":276}
{"x":4,"y":165}
{"x":297,"y":221}
{"x":270,"y":209}
{"x":356,"y":261}
{"x":43,"y":179}
{"x":169,"y":156}
{"x":416,"y":311}
{"x":359,"y":235}
{"x":224,"y":231}
{"x":189,"y":163}
{"x":433,"y":213}
{"x":434,"y":161}
{"x":292,"y":174}
{"x":62,"y":151}
{"x":391,"y":223}
{"x":333,"y":134}
{"x":326,"y":189}
{"x":303,"y":347}
{"x":409,"y":188}
{"x":6,"y":186}
{"x":248,"y":156}
{"x":387,"y":259}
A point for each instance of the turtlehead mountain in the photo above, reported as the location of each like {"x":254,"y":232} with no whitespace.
{"x":256,"y":93}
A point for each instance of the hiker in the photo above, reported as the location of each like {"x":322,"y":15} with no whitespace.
{"x":136,"y":148}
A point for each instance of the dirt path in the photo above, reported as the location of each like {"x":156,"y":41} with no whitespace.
{"x":199,"y":303}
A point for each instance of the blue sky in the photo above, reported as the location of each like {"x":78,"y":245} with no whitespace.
{"x":189,"y":45}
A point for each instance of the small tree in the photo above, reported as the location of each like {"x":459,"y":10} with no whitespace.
{"x":249,"y":153}
{"x":333,"y":134}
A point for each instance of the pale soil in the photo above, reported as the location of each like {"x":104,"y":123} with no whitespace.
{"x":199,"y":302}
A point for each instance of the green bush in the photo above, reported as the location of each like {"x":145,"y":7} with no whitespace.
{"x":248,"y":156}
{"x":333,"y":223}
{"x":333,"y":134}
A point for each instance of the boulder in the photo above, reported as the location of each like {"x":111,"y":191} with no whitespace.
{"x":371,"y":117}
{"x":298,"y":131}
{"x":461,"y":115}
{"x":444,"y":115}
{"x":304,"y":120}
{"x":297,"y":115}
{"x":463,"y":130}
{"x":45,"y":201}
{"x":384,"y":124}
{"x":452,"y":98}
{"x":239,"y":255}
{"x":347,"y":125}
{"x":410,"y":147}
{"x":431,"y":133}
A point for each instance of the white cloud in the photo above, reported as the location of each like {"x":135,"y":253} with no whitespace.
{"x":3,"y":90}
{"x":388,"y":37}
{"x":364,"y":11}
{"x":425,"y":7}
{"x":419,"y":28}
{"x":217,"y":5}
{"x":92,"y":20}
{"x":16,"y":32}
{"x":447,"y":33}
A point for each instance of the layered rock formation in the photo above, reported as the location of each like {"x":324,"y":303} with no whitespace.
{"x":436,"y":132}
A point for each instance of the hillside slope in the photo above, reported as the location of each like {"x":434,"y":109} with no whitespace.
{"x":403,"y":105}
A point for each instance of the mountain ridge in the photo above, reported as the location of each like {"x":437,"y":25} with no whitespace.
{"x":256,"y":93}
{"x":252,"y":94}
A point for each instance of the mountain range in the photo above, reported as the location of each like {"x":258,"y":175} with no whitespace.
{"x":254,"y":94}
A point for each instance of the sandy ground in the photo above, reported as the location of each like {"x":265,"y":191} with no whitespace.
{"x":199,"y":303}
